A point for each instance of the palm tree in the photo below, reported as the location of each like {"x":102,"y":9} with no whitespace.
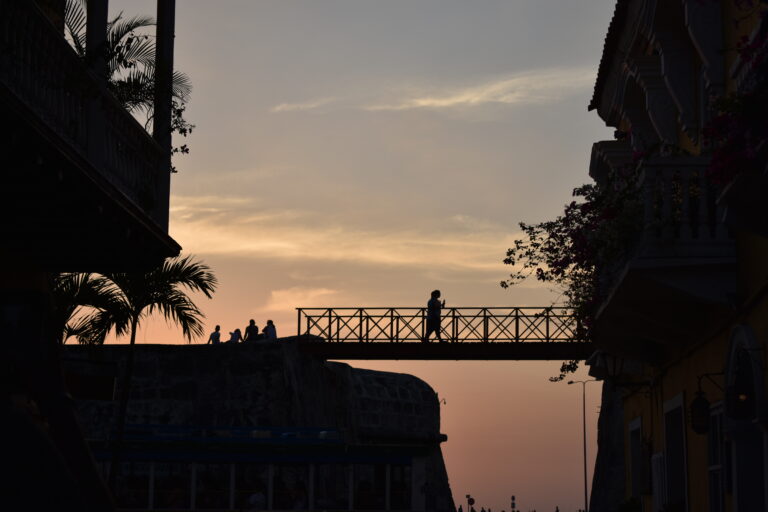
{"x":136,"y":295}
{"x":130,"y":61}
{"x":77,"y":296}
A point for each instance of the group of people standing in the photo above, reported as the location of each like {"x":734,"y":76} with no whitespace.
{"x":251,"y":334}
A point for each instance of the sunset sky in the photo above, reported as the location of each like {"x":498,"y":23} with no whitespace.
{"x":363,"y":153}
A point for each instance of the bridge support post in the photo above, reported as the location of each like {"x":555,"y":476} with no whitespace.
{"x":360,"y":316}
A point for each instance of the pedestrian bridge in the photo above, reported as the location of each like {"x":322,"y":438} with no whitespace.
{"x":470,"y":333}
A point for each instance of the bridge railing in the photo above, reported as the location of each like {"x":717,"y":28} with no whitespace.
{"x":464,"y":324}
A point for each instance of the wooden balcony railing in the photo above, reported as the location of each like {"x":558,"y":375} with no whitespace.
{"x":39,"y":70}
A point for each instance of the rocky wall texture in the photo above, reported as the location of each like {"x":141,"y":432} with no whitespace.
{"x":272,"y":385}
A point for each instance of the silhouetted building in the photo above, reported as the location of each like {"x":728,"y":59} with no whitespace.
{"x":683,"y":333}
{"x":224,"y":426}
{"x":83,"y":188}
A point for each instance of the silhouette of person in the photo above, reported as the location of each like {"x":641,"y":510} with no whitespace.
{"x":434,"y":313}
{"x":235,"y":337}
{"x":215,"y":337}
{"x":270,"y":332}
{"x":251,"y":332}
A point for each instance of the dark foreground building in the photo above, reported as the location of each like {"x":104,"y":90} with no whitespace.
{"x":682,"y":329}
{"x":83,"y":187}
{"x":262,"y":427}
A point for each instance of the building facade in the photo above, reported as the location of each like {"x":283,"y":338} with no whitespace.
{"x":84,"y":188}
{"x":683,"y":327}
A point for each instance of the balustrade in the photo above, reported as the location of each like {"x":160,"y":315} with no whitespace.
{"x":680,"y":211}
{"x":39,"y":70}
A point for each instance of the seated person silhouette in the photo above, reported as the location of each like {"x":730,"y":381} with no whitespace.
{"x":235,"y":337}
{"x":270,"y":332}
{"x":251,"y":332}
{"x":215,"y":337}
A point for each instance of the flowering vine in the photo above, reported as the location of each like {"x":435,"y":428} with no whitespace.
{"x":737,"y":133}
{"x":579,"y":251}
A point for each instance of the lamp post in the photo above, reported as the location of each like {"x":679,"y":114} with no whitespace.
{"x":584,"y":431}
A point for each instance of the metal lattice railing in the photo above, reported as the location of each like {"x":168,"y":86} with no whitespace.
{"x":466,"y":324}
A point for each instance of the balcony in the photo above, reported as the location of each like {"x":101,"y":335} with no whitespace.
{"x":83,"y":183}
{"x":678,"y":282}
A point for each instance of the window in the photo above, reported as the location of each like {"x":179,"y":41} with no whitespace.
{"x":674,"y":454}
{"x":133,"y":486}
{"x":400,"y":487}
{"x":212,"y":486}
{"x":659,"y":482}
{"x":291,"y":487}
{"x":716,"y":460}
{"x":172,"y":485}
{"x":251,"y":486}
{"x":636,"y":461}
{"x":331,"y":487}
{"x":370,"y":486}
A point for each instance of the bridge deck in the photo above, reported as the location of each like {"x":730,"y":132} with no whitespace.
{"x":470,"y":333}
{"x":509,"y":351}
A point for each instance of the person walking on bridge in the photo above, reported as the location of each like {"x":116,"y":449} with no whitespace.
{"x":434,"y":315}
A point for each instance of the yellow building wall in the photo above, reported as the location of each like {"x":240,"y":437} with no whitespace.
{"x":680,"y":377}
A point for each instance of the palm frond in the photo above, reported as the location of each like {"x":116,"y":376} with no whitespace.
{"x":74,"y":24}
{"x":179,"y":309}
{"x":88,"y":330}
{"x":140,"y":51}
{"x":116,"y":313}
{"x":80,"y":299}
{"x":135,"y":91}
{"x":163,"y":289}
{"x":68,"y":289}
{"x":181,"y":86}
{"x":119,"y":28}
{"x":185,"y":272}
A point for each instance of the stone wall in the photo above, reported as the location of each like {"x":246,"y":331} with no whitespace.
{"x":275,"y":385}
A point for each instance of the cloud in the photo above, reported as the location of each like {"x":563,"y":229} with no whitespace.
{"x":287,"y":299}
{"x":531,"y":87}
{"x":300,"y":107}
{"x":246,"y":230}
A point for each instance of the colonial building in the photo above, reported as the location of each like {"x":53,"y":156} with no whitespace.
{"x":684,"y":322}
{"x":84,"y":188}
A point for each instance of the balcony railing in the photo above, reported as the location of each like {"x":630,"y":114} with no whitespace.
{"x":681,"y":217}
{"x":39,"y":70}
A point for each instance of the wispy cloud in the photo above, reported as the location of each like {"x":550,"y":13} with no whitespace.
{"x":525,"y":88}
{"x":286,"y":299}
{"x":304,"y":106}
{"x":533,"y":87}
{"x":247,"y":231}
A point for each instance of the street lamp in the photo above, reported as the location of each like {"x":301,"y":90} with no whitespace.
{"x":584,"y":430}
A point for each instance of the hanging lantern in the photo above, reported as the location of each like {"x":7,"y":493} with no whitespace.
{"x":700,"y":414}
